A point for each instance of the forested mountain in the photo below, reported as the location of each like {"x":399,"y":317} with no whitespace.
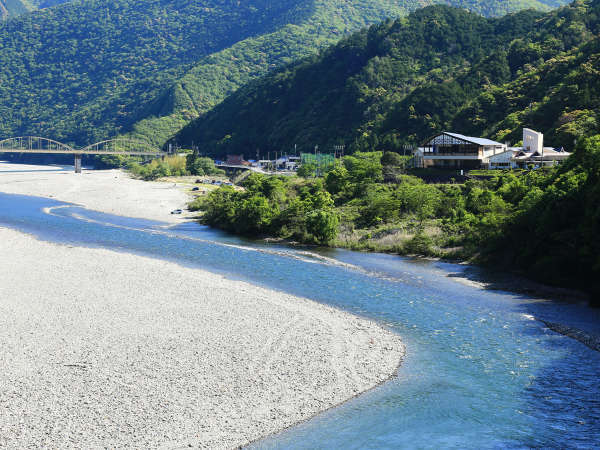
{"x":561,"y":97}
{"x":399,"y":82}
{"x":92,"y":69}
{"x":217,"y":75}
{"x":80,"y":72}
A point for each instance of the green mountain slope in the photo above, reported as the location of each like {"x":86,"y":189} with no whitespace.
{"x":216,"y":76}
{"x":79,"y":72}
{"x":219,"y":75}
{"x":89,"y":70}
{"x":400,"y":82}
{"x":561,"y":97}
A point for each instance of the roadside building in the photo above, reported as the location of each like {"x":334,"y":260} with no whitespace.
{"x":265,"y":164}
{"x":503,"y":160}
{"x":453,"y":150}
{"x":547,"y":157}
{"x":533,"y":141}
{"x":236,"y":160}
{"x":290,"y":163}
{"x":531,"y":154}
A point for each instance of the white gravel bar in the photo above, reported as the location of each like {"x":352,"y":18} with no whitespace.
{"x":107,"y":349}
{"x":109,"y":191}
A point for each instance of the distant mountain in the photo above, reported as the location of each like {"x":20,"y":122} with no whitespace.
{"x":91,"y":69}
{"x":399,"y":82}
{"x":84,"y":71}
{"x":218,"y":75}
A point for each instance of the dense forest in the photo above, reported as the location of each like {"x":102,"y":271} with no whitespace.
{"x":83,"y":71}
{"x":91,"y":69}
{"x":397,"y":83}
{"x":216,"y":76}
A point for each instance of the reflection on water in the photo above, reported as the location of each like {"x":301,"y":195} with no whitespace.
{"x":480,"y":372}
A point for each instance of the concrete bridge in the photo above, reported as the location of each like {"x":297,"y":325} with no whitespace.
{"x":119,"y":146}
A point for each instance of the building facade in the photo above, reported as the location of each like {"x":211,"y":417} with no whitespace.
{"x":453,"y":150}
{"x":531,"y":154}
{"x":533,"y":141}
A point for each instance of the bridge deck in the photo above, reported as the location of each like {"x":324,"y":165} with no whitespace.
{"x":87,"y":152}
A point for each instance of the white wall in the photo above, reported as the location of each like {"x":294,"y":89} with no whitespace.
{"x":532,"y":140}
{"x":502,"y":160}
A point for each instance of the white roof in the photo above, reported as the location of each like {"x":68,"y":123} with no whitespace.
{"x":505,"y":153}
{"x":474,"y":140}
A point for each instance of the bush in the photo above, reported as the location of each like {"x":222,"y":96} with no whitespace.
{"x":322,"y":225}
{"x":419,"y":244}
{"x":273,"y":205}
{"x":200,"y":165}
{"x":158,"y":168}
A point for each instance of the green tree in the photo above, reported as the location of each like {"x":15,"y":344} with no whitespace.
{"x":307,"y":170}
{"x":322,"y":225}
{"x":337,"y":180}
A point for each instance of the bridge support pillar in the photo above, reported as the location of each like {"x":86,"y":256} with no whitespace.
{"x":78,"y":163}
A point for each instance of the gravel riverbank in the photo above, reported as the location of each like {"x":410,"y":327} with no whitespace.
{"x":109,"y":191}
{"x":106,"y":349}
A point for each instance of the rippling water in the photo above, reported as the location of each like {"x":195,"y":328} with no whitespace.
{"x":481,"y":371}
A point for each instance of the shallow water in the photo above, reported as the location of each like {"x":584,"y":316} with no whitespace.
{"x":480,"y":371}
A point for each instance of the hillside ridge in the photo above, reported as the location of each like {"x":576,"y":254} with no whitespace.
{"x":397,"y":83}
{"x":91,"y":70}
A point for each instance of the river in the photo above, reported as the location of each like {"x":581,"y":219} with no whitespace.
{"x":481,"y":371}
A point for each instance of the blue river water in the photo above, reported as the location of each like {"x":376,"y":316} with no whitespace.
{"x":480,"y":372}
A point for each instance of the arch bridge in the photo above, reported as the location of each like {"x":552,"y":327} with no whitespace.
{"x":118,"y":146}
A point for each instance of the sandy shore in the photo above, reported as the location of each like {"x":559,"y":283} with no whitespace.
{"x":106,"y":349}
{"x":109,"y":191}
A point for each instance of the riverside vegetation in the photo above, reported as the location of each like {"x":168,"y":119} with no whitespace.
{"x":397,"y":83}
{"x":174,"y":166}
{"x":550,"y":217}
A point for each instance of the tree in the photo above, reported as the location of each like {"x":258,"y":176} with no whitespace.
{"x":337,"y":180}
{"x":307,"y":170}
{"x":322,"y":225}
{"x":393,"y":166}
{"x":201,"y":165}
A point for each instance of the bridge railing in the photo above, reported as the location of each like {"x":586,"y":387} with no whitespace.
{"x":115,"y":146}
{"x":33,"y":143}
